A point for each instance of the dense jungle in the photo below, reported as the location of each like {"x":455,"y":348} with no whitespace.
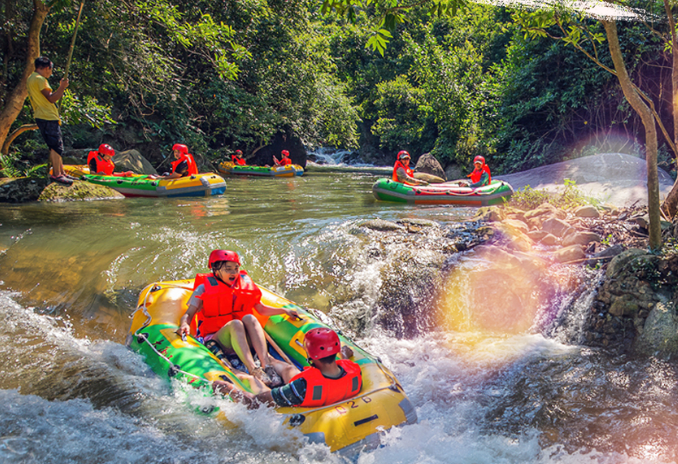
{"x":229,"y":75}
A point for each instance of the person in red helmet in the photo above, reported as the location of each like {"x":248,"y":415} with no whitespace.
{"x":284,"y":159}
{"x":326,"y":381}
{"x":237,"y":158}
{"x":184,"y":165}
{"x":403,"y":173}
{"x":222,"y":310}
{"x":101,"y":162}
{"x":480,"y":176}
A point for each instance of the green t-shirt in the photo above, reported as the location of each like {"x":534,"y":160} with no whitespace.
{"x":42,"y":108}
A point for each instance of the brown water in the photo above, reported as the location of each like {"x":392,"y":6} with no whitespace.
{"x":72,"y":392}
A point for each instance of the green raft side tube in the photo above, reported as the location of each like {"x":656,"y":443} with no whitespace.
{"x":137,"y":183}
{"x":186,"y":363}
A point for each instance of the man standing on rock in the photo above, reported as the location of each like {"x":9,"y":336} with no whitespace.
{"x":46,"y":115}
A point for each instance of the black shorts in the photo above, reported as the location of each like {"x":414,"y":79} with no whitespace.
{"x":51,"y":132}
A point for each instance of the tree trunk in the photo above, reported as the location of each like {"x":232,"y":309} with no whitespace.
{"x":671,"y":202}
{"x":15,"y":100}
{"x":650,"y":133}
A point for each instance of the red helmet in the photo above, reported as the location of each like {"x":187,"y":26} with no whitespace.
{"x":321,"y":342}
{"x":106,"y":149}
{"x":223,"y":255}
{"x":285,"y":153}
{"x":479,"y":158}
{"x":183,"y":149}
{"x":238,"y":153}
{"x":402,"y":154}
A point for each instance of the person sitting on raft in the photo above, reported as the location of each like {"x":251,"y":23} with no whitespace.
{"x":284,"y":159}
{"x":237,"y":158}
{"x":225,"y":302}
{"x":100,"y":162}
{"x":183,"y":166}
{"x":480,"y":176}
{"x":326,"y":381}
{"x":403,"y":173}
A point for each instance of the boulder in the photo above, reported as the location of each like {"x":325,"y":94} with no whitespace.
{"x":537,"y":235}
{"x":581,"y":238}
{"x":454,"y":172}
{"x":427,"y":164}
{"x":56,"y":192}
{"x":21,"y":189}
{"x":549,"y":240}
{"x":555,"y":227}
{"x":282,"y":141}
{"x":132,"y":160}
{"x":516,"y":224}
{"x":546,"y":209}
{"x":587,"y":211}
{"x":571,"y":253}
{"x":490,"y":214}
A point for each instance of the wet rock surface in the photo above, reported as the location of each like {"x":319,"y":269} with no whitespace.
{"x":55,"y":192}
{"x":21,"y":190}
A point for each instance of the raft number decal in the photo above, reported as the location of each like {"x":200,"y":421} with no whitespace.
{"x":352,"y":404}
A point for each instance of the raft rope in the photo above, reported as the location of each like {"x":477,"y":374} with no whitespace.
{"x":174,"y":369}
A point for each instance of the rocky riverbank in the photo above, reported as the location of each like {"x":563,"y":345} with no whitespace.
{"x":511,"y":270}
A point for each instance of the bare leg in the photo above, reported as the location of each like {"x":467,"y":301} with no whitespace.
{"x":284,"y":370}
{"x":257,"y":337}
{"x":57,"y":163}
{"x":233,"y":335}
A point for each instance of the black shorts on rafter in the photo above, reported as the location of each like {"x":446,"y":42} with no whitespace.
{"x":51,"y":132}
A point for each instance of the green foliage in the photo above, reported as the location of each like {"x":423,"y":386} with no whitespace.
{"x":571,"y":197}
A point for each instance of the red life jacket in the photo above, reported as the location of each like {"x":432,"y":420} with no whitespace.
{"x":101,"y":164}
{"x":478,"y":173}
{"x":409,"y":172}
{"x":192,"y":168}
{"x":285,"y":161}
{"x":238,"y":161}
{"x":222,"y":303}
{"x":321,"y":391}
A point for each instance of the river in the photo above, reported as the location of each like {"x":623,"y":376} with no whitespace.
{"x":72,"y":393}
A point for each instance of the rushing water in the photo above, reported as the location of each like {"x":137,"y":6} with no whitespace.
{"x":71,"y":391}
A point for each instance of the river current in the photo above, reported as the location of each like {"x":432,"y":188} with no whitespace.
{"x":72,"y":393}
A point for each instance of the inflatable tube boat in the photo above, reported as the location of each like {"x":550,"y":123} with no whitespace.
{"x":231,"y":169}
{"x":350,"y":425}
{"x":199,"y":185}
{"x":447,"y":193}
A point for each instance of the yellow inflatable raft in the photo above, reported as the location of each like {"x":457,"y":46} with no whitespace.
{"x":349,"y":426}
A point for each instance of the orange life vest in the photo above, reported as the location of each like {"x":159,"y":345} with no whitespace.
{"x":478,"y":173}
{"x":101,"y":164}
{"x":321,"y":391}
{"x":238,"y":161}
{"x":409,"y":172}
{"x":222,"y":303}
{"x":192,"y":168}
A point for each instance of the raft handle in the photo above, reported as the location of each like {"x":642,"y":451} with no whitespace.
{"x":297,"y":419}
{"x":142,"y":337}
{"x":365,"y":420}
{"x":155,"y":288}
{"x":174,"y":370}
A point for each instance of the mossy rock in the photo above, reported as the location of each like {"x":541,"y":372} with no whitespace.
{"x":78,"y":191}
{"x":21,"y":189}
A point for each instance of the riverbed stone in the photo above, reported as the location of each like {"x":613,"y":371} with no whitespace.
{"x":382,"y":225}
{"x":21,"y":189}
{"x":567,"y":254}
{"x":587,"y":211}
{"x":549,"y":240}
{"x":660,"y":331}
{"x":546,"y":209}
{"x":555,"y":227}
{"x":581,"y":238}
{"x":490,"y":214}
{"x":55,"y":192}
{"x":537,"y":235}
{"x":520,"y":225}
{"x":418,"y":222}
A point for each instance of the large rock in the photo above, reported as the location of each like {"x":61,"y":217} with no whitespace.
{"x":556,"y":227}
{"x":427,"y":164}
{"x":581,"y":238}
{"x":56,"y":192}
{"x":21,"y":189}
{"x":568,"y":254}
{"x":282,"y":141}
{"x":132,"y":160}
